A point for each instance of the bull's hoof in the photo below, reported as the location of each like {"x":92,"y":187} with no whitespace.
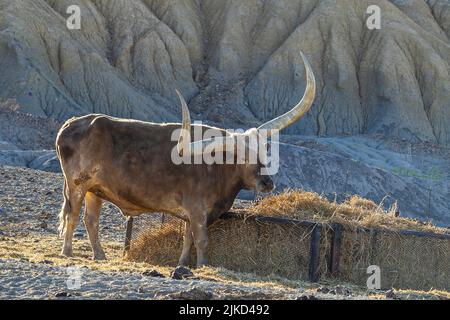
{"x":99,"y":257}
{"x":67,"y":253}
{"x":183,"y":262}
{"x":202,"y":264}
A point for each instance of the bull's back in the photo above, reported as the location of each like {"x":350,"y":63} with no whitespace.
{"x":129,"y":163}
{"x":70,"y":135}
{"x":94,"y":134}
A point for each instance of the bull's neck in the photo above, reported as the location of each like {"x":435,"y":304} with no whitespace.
{"x":233,"y":185}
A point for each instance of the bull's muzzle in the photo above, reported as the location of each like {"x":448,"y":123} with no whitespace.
{"x":265,"y":186}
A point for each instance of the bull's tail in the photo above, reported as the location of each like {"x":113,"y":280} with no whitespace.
{"x":65,"y":211}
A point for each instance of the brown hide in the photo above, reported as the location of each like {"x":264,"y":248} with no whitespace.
{"x":128,"y":163}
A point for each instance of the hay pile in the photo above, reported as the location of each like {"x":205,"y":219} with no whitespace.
{"x":242,"y":245}
{"x":406,"y":261}
{"x":354,"y":212}
{"x":157,"y":246}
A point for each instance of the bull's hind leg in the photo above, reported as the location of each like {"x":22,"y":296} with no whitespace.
{"x":93,"y":206}
{"x":69,"y":216}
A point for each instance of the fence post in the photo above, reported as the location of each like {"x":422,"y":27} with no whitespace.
{"x":314,"y":254}
{"x":128,"y":235}
{"x":335,"y":254}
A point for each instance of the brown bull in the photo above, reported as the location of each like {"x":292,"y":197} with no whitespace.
{"x":130,"y":164}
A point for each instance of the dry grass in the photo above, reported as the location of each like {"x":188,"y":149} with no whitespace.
{"x":354,"y":212}
{"x":270,"y":249}
{"x":37,"y":248}
{"x":423,"y":295}
{"x":45,"y":249}
{"x":161,"y":246}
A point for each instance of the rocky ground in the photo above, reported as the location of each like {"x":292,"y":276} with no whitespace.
{"x":31,"y":268}
{"x":25,"y":280}
{"x":30,"y":201}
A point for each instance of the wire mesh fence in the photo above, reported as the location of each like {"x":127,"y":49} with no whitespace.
{"x":407,"y":259}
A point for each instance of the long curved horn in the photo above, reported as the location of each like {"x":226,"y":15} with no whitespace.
{"x":300,"y":109}
{"x":185,"y":136}
{"x":196,"y":148}
{"x":279,"y":123}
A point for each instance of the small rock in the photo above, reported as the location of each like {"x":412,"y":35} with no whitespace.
{"x":64,"y":294}
{"x":307,"y":297}
{"x":47,"y":262}
{"x":342,"y":290}
{"x":153,"y":273}
{"x":43,"y":225}
{"x":390,"y":294}
{"x":141,"y":290}
{"x":194,"y":294}
{"x":323,"y":290}
{"x":78,"y":234}
{"x":181,"y":273}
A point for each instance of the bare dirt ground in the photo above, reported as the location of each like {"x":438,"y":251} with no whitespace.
{"x":31,"y":267}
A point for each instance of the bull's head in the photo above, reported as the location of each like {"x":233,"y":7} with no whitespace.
{"x":252,"y":174}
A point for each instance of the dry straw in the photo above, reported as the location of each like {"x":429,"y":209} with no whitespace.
{"x":371,"y":235}
{"x":354,"y":212}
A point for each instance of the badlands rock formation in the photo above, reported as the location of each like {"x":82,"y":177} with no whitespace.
{"x":238,"y":64}
{"x":236,"y":61}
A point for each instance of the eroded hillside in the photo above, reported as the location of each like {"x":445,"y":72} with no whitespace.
{"x":236,"y":61}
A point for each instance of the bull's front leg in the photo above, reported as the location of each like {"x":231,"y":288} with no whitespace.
{"x":187,"y":245}
{"x":199,"y":228}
